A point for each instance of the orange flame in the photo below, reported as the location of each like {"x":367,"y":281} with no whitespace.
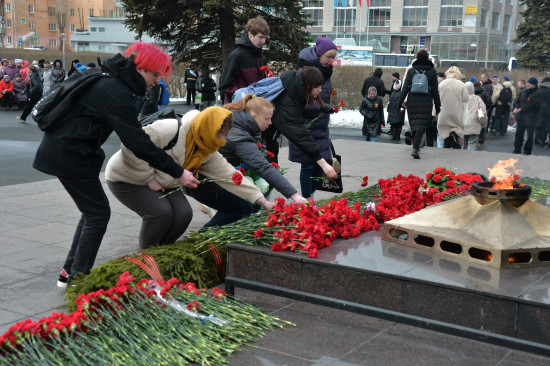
{"x":504,"y":179}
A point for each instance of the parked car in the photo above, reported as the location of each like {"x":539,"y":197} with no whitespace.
{"x":35,"y":48}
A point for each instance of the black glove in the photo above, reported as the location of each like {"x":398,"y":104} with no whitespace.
{"x":327,"y":109}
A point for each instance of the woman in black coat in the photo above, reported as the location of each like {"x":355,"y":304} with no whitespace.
{"x":302,"y":88}
{"x":419,"y":106}
{"x":396,"y":113}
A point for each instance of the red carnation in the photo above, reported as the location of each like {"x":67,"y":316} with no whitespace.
{"x":438,"y":170}
{"x":313,"y":253}
{"x":450,"y":184}
{"x":447,"y":172}
{"x":270,"y":154}
{"x":428,"y":176}
{"x":193,"y":306}
{"x":258,"y":234}
{"x":237,"y":178}
{"x":437,"y":178}
{"x":342,"y":103}
{"x":335,"y":109}
{"x":275,"y":165}
{"x":365,"y":181}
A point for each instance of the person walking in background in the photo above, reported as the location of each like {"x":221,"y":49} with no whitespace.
{"x":72,"y":152}
{"x":208,"y":90}
{"x":453,"y":98}
{"x":374,"y":80}
{"x":372,"y":110}
{"x":503,"y":96}
{"x":198,"y":87}
{"x":190,"y":81}
{"x":244,"y":63}
{"x":396,"y":112}
{"x":35,"y":93}
{"x":529,"y":106}
{"x":419,"y":105}
{"x":488,"y":87}
{"x":475,"y":104}
{"x":164,"y":95}
{"x":321,"y":57}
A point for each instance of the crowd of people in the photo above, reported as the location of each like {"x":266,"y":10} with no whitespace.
{"x":206,"y":153}
{"x":451,"y":112}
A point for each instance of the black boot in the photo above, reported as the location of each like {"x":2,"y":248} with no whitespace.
{"x":414,"y":153}
{"x":408,"y":137}
{"x":397,"y":134}
{"x":393,"y":131}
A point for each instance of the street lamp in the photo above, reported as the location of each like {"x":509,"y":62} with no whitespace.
{"x":63,"y":46}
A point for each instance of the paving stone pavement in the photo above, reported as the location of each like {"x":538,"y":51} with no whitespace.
{"x":37,"y":222}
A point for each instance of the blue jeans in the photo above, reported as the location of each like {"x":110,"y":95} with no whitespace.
{"x":308,"y":185}
{"x":230,"y":207}
{"x":373,"y":139}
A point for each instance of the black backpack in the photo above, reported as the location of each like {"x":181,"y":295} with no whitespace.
{"x":505,"y":96}
{"x":164,"y":114}
{"x":54,"y":107}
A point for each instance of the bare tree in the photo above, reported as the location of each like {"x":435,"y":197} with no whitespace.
{"x":80,"y":18}
{"x":61,"y":17}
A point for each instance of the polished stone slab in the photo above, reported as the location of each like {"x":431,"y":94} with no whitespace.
{"x":370,"y":271}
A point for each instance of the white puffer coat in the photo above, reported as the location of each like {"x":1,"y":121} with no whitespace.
{"x":453,"y":96}
{"x":474,"y":103}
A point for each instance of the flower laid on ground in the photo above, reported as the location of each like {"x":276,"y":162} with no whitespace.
{"x":442,"y":179}
{"x":140,"y":321}
{"x":236,"y":178}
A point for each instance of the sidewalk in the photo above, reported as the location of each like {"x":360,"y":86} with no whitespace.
{"x":37,"y":221}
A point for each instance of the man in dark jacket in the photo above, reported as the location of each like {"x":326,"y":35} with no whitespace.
{"x":208,"y":90}
{"x":376,"y":81}
{"x":544,"y":111}
{"x":419,"y":106}
{"x":529,"y":106}
{"x":190,"y":81}
{"x":244,"y":63}
{"x":72,"y":149}
{"x":487,"y":85}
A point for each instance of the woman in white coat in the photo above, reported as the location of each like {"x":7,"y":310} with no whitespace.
{"x":475,"y":104}
{"x":453,"y":96}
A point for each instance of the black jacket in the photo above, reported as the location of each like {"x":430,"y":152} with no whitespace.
{"x":151,"y":101}
{"x":58,"y":73}
{"x":373,"y":112}
{"x":190,"y":78}
{"x":242,"y":67}
{"x":241,"y":147}
{"x":73,"y":148}
{"x":419,"y":106}
{"x":480,"y":92}
{"x":376,"y":81}
{"x":394,"y":117}
{"x":36,"y":84}
{"x":488,"y":87}
{"x":208,"y":89}
{"x":530,"y":103}
{"x":544,"y":111}
{"x":518,"y":97}
{"x":319,"y":129}
{"x":287,"y":117}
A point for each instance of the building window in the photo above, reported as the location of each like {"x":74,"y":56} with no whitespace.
{"x":344,"y":14}
{"x":31,"y":9}
{"x":53,"y":42}
{"x":51,"y":12}
{"x":451,"y":13}
{"x":415,"y":13}
{"x":32,"y":24}
{"x":101,"y":29}
{"x":509,"y":2}
{"x":71,"y":12}
{"x":506,"y":25}
{"x":484,"y":18}
{"x":496,"y":21}
{"x":91,"y":12}
{"x":313,"y":10}
{"x":93,"y":29}
{"x":53,"y":27}
{"x":9,"y":40}
{"x":71,"y":27}
{"x":8,"y":6}
{"x":111,"y":13}
{"x":120,"y":13}
{"x":101,"y":48}
{"x":379,"y":13}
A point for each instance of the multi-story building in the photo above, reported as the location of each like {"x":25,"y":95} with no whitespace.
{"x":26,"y":23}
{"x":473,"y":31}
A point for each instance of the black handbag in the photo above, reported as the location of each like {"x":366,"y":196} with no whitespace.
{"x":334,"y":185}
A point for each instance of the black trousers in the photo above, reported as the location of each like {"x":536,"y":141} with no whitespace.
{"x":191,"y":93}
{"x":89,"y":196}
{"x":518,"y":141}
{"x":7,"y":99}
{"x":33,"y":99}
